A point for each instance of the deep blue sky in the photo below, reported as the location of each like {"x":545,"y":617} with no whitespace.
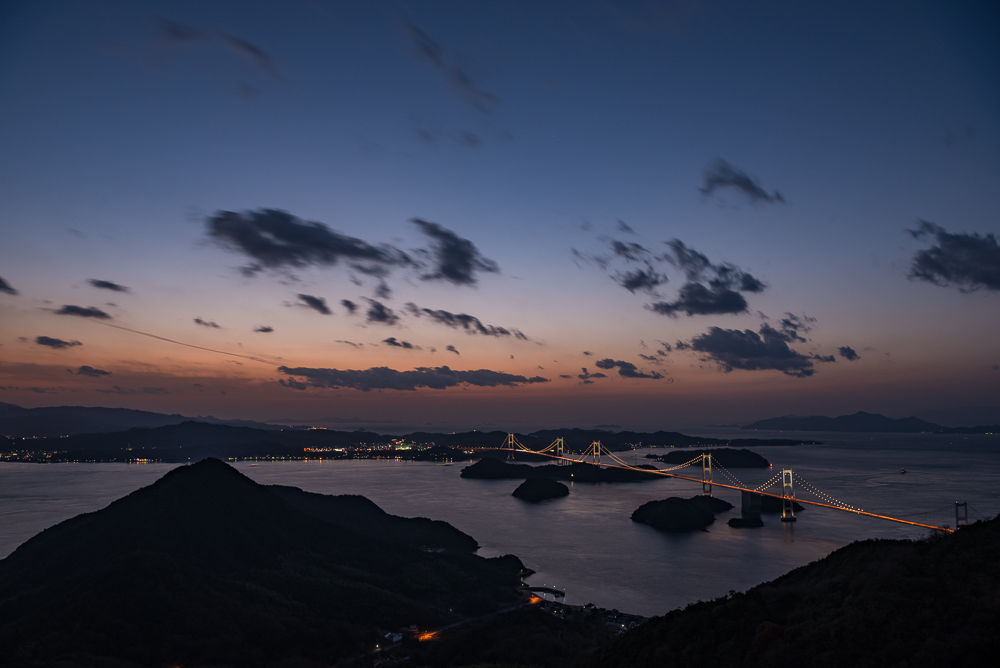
{"x":788,"y":147}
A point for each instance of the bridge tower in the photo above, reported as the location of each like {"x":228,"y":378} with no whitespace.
{"x":597,"y":452}
{"x":706,"y":475}
{"x":961,"y":514}
{"x":509,"y":444}
{"x":787,"y":496}
{"x":560,"y":452}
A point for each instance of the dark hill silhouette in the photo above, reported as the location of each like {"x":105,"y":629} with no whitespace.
{"x":536,"y":490}
{"x":871,"y":603}
{"x":857,"y":422}
{"x":364,"y":516}
{"x":206,"y":566}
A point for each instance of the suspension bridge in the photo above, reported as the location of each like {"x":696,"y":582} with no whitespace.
{"x":787,"y":479}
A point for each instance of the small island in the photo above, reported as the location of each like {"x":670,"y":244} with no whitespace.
{"x":676,"y":515}
{"x":732,"y":458}
{"x":535,"y":490}
{"x":488,"y":468}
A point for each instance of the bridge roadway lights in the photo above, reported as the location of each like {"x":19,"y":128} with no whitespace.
{"x":787,"y":496}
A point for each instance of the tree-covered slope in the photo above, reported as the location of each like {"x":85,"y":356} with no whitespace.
{"x":872,"y":603}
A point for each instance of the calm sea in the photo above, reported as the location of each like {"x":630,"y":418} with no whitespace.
{"x":585,"y":544}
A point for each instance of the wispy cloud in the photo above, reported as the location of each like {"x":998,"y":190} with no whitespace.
{"x":6,"y":287}
{"x":83,"y":312}
{"x":625,"y":369}
{"x":453,"y":349}
{"x":107,"y":285}
{"x":433,"y":53}
{"x":317,"y":304}
{"x":57,"y":344}
{"x":91,"y":372}
{"x":206,"y":323}
{"x":395,"y":343}
{"x":384,"y":378}
{"x":263,"y":329}
{"x":711,"y":289}
{"x":765,"y":350}
{"x":848,"y":353}
{"x":456,"y":259}
{"x":468,"y":323}
{"x":720,"y":174}
{"x":380,"y":313}
{"x":969,"y":261}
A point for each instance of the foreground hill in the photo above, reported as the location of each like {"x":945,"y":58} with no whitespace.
{"x":858,"y":422}
{"x":872,"y":603}
{"x":206,"y":566}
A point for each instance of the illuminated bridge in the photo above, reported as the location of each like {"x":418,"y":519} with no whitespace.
{"x":781,"y":485}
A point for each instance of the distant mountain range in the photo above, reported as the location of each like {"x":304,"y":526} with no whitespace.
{"x":51,"y":421}
{"x":864,"y":422}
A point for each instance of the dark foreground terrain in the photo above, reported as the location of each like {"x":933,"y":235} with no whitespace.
{"x":207,"y":568}
{"x":872,"y":603}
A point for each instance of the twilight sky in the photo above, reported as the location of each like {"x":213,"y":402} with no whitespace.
{"x":500,"y":215}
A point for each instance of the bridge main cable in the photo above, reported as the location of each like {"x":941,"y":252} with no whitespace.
{"x":734,"y":487}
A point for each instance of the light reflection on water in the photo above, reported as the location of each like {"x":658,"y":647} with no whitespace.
{"x":585,"y":543}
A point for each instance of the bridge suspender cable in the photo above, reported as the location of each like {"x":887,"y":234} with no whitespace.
{"x":595,"y":448}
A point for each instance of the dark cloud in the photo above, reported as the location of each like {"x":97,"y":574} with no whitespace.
{"x":622,"y":227}
{"x":650,"y":358}
{"x":115,"y":389}
{"x":711,"y":289}
{"x":292,"y":383}
{"x":720,"y":174}
{"x":264,"y":329}
{"x":83,"y":312}
{"x":457,"y":259}
{"x":735,"y":349}
{"x":696,"y":299}
{"x":317,"y":304}
{"x":587,"y":353}
{"x":383,"y":291}
{"x":7,"y":288}
{"x":587,"y":376}
{"x":969,"y":261}
{"x":379,"y":312}
{"x":206,"y":323}
{"x":352,"y":344}
{"x":469,"y":323}
{"x":58,"y":344}
{"x":351,"y":307}
{"x":276,"y":239}
{"x":91,"y":371}
{"x":384,"y":378}
{"x":645,"y":280}
{"x":432,"y":52}
{"x":453,"y":349}
{"x":626,"y":369}
{"x":792,"y":327}
{"x":392,"y":341}
{"x":108,"y":285}
{"x":848,"y":353}
{"x":631,"y":251}
{"x":565,"y":375}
